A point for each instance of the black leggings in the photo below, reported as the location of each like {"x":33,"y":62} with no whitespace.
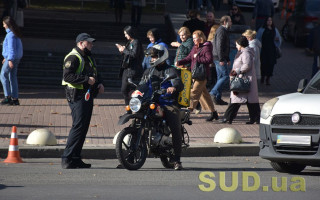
{"x":232,"y":111}
{"x":126,"y":87}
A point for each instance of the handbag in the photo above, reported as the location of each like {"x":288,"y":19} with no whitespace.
{"x":199,"y":71}
{"x":125,"y":62}
{"x":278,"y":53}
{"x":238,"y":84}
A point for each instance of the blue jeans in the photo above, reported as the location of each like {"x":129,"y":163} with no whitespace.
{"x":222,"y":79}
{"x":9,"y":79}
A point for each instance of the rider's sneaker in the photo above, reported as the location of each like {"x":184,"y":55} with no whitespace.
{"x":178,"y":166}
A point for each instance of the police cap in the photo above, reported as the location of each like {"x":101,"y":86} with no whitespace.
{"x":84,"y":37}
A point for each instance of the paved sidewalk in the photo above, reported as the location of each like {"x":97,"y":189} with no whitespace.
{"x":48,"y":109}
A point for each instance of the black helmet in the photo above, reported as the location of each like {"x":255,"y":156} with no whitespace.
{"x":157,"y":51}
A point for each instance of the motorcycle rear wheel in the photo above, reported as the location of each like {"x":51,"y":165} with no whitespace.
{"x":167,"y":162}
{"x":130,"y":155}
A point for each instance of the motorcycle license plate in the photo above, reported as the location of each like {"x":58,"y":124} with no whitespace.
{"x":294,"y":140}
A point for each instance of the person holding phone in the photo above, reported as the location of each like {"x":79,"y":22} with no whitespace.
{"x":131,"y":66}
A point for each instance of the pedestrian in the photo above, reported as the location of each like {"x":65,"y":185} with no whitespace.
{"x":213,"y":72}
{"x":221,"y":50}
{"x":201,"y":53}
{"x":236,"y":16}
{"x":7,"y":5}
{"x":136,"y":12}
{"x":193,"y":5}
{"x":270,"y":39}
{"x":183,"y":48}
{"x":216,"y":4}
{"x":12,"y":52}
{"x":210,"y":21}
{"x":118,"y":6}
{"x":194,"y":23}
{"x":82,"y":84}
{"x":154,"y":37}
{"x":130,"y":67}
{"x":243,"y":66}
{"x":256,"y":45}
{"x":262,"y":10}
{"x":315,"y":47}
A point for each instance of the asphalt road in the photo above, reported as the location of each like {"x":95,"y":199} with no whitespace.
{"x":203,"y":178}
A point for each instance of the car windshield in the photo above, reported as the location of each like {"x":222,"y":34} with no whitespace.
{"x":314,"y":85}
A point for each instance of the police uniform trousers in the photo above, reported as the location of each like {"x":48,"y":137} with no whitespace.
{"x":81,"y":112}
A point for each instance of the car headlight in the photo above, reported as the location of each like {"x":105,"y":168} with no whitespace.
{"x":135,"y":104}
{"x":267,"y":108}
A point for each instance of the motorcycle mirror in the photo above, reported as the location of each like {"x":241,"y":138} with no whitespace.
{"x":168,"y":77}
{"x":131,"y":82}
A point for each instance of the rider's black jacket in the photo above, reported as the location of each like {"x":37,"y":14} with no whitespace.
{"x":159,"y":72}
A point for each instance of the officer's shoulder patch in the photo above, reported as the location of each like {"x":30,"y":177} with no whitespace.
{"x":67,"y":64}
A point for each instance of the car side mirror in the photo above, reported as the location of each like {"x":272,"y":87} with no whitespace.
{"x":302,"y":85}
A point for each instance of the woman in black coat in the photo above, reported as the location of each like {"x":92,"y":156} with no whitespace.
{"x":131,"y":66}
{"x":270,"y":39}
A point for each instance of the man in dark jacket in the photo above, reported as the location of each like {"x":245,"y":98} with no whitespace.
{"x":194,"y":23}
{"x":221,"y":50}
{"x":262,"y":10}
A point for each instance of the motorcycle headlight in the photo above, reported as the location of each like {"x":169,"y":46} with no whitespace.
{"x":135,"y":104}
{"x":267,"y":108}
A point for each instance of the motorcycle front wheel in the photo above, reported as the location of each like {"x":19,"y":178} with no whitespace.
{"x":131,"y":155}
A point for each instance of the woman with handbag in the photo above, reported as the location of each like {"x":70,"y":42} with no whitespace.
{"x":201,"y":57}
{"x":131,"y":66}
{"x":243,"y":68}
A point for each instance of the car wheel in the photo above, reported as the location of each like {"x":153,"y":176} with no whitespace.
{"x":286,"y":167}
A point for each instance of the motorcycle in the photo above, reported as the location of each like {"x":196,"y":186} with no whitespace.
{"x":148,"y":134}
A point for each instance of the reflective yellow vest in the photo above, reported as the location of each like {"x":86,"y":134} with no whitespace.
{"x":79,"y":70}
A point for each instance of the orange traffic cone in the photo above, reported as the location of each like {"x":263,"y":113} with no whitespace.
{"x":13,"y":153}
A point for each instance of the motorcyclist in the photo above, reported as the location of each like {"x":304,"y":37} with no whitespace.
{"x":154,"y":75}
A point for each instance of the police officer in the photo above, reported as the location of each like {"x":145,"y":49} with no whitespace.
{"x":158,"y":71}
{"x":82,"y":84}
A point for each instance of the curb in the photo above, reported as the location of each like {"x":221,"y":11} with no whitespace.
{"x":108,"y":152}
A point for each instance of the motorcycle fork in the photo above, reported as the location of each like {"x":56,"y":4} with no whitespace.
{"x":139,"y":133}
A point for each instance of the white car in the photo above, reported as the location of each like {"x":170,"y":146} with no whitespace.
{"x":250,"y":3}
{"x":290,"y":128}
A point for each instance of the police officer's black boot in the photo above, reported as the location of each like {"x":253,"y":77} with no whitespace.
{"x":67,"y":163}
